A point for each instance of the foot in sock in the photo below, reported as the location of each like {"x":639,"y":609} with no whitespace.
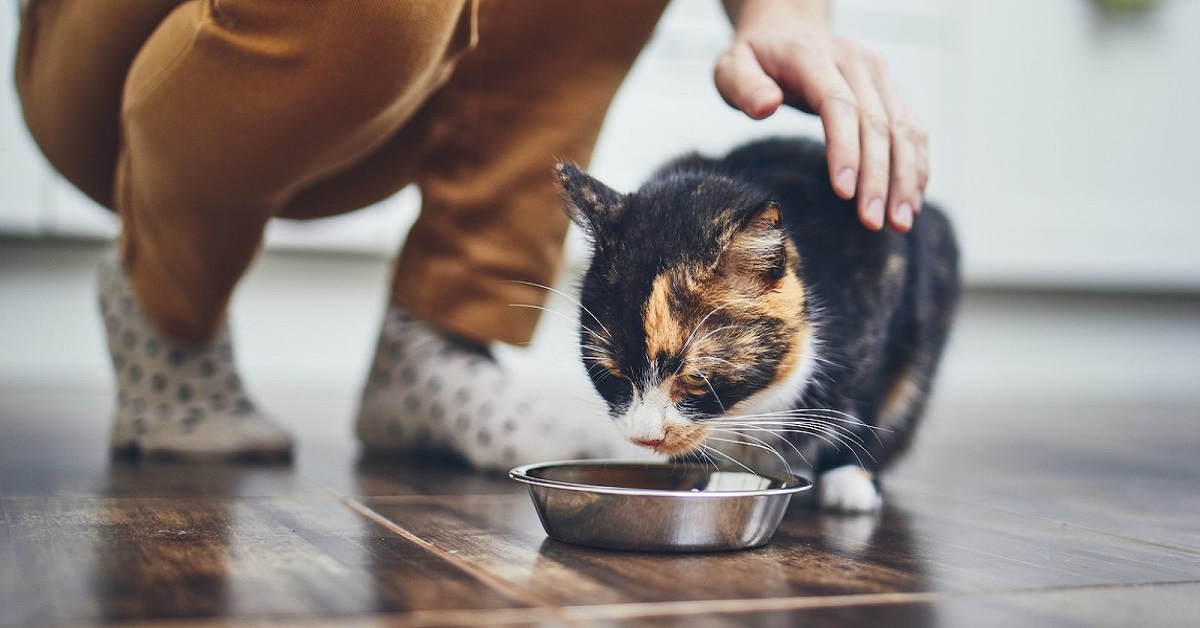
{"x":430,"y":393}
{"x":173,"y":399}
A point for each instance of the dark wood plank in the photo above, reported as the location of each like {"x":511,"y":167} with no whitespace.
{"x":85,"y":559}
{"x":919,"y":544}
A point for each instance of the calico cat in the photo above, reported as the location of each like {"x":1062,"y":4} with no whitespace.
{"x":739,"y":299}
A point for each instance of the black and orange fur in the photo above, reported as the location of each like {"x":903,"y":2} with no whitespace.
{"x":722,"y":282}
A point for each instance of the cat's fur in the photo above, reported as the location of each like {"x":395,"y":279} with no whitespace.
{"x":725,"y":289}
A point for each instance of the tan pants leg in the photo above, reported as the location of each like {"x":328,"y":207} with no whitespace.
{"x":228,"y":110}
{"x":536,"y":89}
{"x":233,"y":107}
{"x":72,"y":59}
{"x":235,"y":111}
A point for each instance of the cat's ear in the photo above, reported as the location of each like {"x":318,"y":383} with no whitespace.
{"x":588,"y":202}
{"x":756,"y":256}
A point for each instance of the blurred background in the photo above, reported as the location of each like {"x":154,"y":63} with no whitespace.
{"x":1063,"y":134}
{"x":1065,"y":146}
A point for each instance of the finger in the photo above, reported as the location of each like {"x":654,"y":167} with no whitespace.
{"x":922,"y":174}
{"x":910,"y":169}
{"x":744,"y":85}
{"x":814,"y":77}
{"x":875,"y":134}
{"x":902,"y":189}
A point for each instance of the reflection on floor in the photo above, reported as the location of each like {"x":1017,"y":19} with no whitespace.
{"x":1054,"y":483}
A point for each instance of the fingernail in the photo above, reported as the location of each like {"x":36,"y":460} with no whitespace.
{"x":846,"y":180}
{"x":904,"y":216}
{"x":875,"y":213}
{"x":761,"y":102}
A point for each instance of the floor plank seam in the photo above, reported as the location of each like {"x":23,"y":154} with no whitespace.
{"x":396,"y":619}
{"x":500,"y":584}
{"x":578,"y":614}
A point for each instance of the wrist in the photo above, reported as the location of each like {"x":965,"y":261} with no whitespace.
{"x":748,"y":15}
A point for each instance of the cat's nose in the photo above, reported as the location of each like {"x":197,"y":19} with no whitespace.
{"x":648,"y":442}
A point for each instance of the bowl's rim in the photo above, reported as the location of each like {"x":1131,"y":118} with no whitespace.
{"x":793,"y":483}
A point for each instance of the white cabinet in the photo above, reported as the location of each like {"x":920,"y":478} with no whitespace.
{"x":1063,"y":137}
{"x":1077,"y":141}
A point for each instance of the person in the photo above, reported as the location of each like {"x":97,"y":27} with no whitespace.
{"x":197,"y":121}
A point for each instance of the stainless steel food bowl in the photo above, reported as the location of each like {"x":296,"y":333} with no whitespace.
{"x":665,"y":507}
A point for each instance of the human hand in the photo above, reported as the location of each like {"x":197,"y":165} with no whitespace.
{"x":784,"y":53}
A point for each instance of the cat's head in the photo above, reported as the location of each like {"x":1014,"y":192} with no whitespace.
{"x":692,"y":307}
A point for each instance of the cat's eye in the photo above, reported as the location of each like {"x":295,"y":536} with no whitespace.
{"x":694,"y":380}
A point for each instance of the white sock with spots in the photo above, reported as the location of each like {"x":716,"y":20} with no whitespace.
{"x":429,"y":393}
{"x":175,"y":399}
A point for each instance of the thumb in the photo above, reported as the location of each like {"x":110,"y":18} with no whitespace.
{"x":744,"y":85}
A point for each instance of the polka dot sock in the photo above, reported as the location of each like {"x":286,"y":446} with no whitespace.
{"x":174,"y":399}
{"x":429,"y":393}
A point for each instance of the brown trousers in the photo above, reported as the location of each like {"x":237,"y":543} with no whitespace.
{"x":199,"y":120}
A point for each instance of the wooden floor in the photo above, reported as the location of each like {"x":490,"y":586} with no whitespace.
{"x":1062,"y":510}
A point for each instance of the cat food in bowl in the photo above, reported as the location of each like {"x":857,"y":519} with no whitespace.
{"x":664,"y":507}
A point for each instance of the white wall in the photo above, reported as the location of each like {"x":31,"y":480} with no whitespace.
{"x":1063,"y":138}
{"x":24,"y":183}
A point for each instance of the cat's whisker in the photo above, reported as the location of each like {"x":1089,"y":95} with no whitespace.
{"x":715,"y":359}
{"x":599,"y":353}
{"x":744,"y":443}
{"x":802,"y":421}
{"x":726,"y":456}
{"x":825,"y":360}
{"x":688,"y":343}
{"x":700,"y":457}
{"x":705,"y":455}
{"x":807,"y":419}
{"x":835,"y":441}
{"x":595,"y":365}
{"x":756,"y":443}
{"x":742,"y":433}
{"x":604,"y":374}
{"x":824,"y":411}
{"x":815,"y":413}
{"x":832,"y":438}
{"x":706,"y":337}
{"x":806,"y":427}
{"x":834,"y":423}
{"x":604,"y":337}
{"x":717,"y":331}
{"x":566,"y":296}
{"x":714,"y":392}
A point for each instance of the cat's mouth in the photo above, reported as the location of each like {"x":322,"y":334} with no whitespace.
{"x":677,"y":440}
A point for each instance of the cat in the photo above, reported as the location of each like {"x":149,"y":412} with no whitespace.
{"x":739,"y":299}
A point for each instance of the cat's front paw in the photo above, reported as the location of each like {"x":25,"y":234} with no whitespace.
{"x":848,"y":489}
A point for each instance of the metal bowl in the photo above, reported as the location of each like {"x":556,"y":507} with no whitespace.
{"x":671,"y":507}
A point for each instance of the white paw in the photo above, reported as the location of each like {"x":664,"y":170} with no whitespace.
{"x":848,"y":489}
